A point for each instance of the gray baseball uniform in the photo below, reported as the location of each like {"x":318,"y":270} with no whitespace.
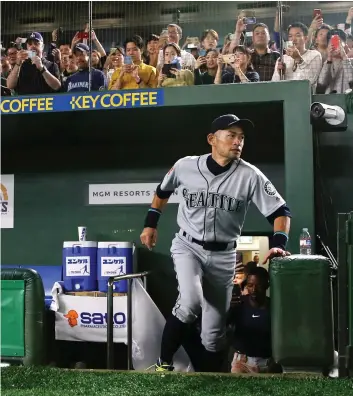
{"x":213,"y":210}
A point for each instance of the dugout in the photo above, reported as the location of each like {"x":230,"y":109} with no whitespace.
{"x":55,"y":156}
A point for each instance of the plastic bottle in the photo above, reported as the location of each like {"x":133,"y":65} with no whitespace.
{"x":305,"y":242}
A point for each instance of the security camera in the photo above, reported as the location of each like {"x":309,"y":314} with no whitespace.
{"x":333,"y":115}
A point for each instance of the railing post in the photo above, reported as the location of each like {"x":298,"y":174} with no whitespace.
{"x":110,"y":317}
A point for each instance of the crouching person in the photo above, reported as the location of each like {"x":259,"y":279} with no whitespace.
{"x":251,"y":322}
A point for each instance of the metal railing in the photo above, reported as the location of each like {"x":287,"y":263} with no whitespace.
{"x":110,"y":317}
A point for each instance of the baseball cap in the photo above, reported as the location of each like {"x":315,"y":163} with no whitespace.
{"x":81,"y":47}
{"x":35,"y":36}
{"x":228,"y":120}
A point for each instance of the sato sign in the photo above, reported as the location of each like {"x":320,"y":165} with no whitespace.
{"x":125,"y":194}
{"x":81,"y":318}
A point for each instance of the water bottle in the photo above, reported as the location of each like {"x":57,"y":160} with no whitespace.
{"x":305,"y":242}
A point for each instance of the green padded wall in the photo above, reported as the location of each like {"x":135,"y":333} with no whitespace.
{"x":12,"y":318}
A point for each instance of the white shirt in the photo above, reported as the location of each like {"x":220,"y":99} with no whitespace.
{"x":188,"y":61}
{"x":307,"y":70}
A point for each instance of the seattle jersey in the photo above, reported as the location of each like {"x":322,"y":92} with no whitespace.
{"x":213,"y":208}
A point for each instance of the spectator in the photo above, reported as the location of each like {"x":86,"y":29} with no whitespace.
{"x":152,"y":50}
{"x":5,"y":67}
{"x":320,"y":41}
{"x":299,"y":62}
{"x":210,"y":61}
{"x":68,"y":66}
{"x":79,"y":81}
{"x":174,"y":76}
{"x":137,"y":74}
{"x":251,"y":319}
{"x":11,"y":54}
{"x":99,"y":56}
{"x":262,"y":58}
{"x":174,"y":36}
{"x":349,"y":20}
{"x":4,"y":90}
{"x":32,"y":73}
{"x":114,"y":61}
{"x":243,"y":70}
{"x":256,"y":259}
{"x":337,"y":72}
{"x":209,"y":39}
{"x":316,"y":24}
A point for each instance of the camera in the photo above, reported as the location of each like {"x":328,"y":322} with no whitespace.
{"x":328,"y":117}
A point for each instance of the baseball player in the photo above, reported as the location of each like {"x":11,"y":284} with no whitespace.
{"x":217,"y":189}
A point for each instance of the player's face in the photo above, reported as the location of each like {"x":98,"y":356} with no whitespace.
{"x":255,"y":287}
{"x":229,"y":143}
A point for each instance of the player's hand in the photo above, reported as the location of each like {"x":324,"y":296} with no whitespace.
{"x":275,"y":252}
{"x":37,"y":62}
{"x":149,"y":237}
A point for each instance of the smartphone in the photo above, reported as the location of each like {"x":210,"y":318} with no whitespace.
{"x":335,"y":41}
{"x":229,"y":58}
{"x":249,"y":20}
{"x":249,"y":34}
{"x":128,"y":60}
{"x":317,"y":12}
{"x":23,"y":40}
{"x":83,"y":35}
{"x":166,"y":70}
{"x":202,"y":52}
{"x":288,"y":44}
{"x":31,"y":54}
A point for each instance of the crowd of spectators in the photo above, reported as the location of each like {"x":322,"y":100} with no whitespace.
{"x":320,"y":53}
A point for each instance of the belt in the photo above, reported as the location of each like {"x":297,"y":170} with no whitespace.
{"x":212,"y":246}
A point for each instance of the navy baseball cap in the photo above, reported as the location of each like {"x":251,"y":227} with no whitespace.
{"x":228,"y":120}
{"x":81,"y":47}
{"x":35,"y":36}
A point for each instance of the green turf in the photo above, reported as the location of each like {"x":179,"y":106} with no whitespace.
{"x":21,"y":381}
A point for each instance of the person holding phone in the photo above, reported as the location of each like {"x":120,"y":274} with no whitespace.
{"x":299,"y":63}
{"x":209,"y":60}
{"x":175,"y":34}
{"x":242,"y":69}
{"x":172,"y":74}
{"x":115,"y":61}
{"x":134,"y":73}
{"x":32,"y":73}
{"x":337,"y":71}
{"x":320,"y":41}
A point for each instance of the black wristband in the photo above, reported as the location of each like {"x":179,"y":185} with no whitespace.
{"x":152,"y":218}
{"x":279,"y":240}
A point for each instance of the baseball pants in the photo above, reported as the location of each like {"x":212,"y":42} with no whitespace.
{"x":205,"y":284}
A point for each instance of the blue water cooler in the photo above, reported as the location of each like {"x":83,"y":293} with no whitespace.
{"x":80,"y":266}
{"x":113,"y":259}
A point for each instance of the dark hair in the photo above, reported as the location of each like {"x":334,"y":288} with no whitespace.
{"x":260,"y":24}
{"x":247,"y":52}
{"x":322,"y":27}
{"x":261,"y":273}
{"x":178,"y":28}
{"x":212,"y":50}
{"x":175,"y":46}
{"x":152,"y":37}
{"x":118,"y":49}
{"x":206,"y":32}
{"x":299,"y":25}
{"x":137,"y":40}
{"x":342,"y":35}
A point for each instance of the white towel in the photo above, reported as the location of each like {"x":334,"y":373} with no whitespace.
{"x":55,"y":291}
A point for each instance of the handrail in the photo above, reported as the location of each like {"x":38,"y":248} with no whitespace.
{"x":110,"y":317}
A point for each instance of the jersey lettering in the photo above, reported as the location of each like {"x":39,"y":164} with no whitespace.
{"x":201,"y":199}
